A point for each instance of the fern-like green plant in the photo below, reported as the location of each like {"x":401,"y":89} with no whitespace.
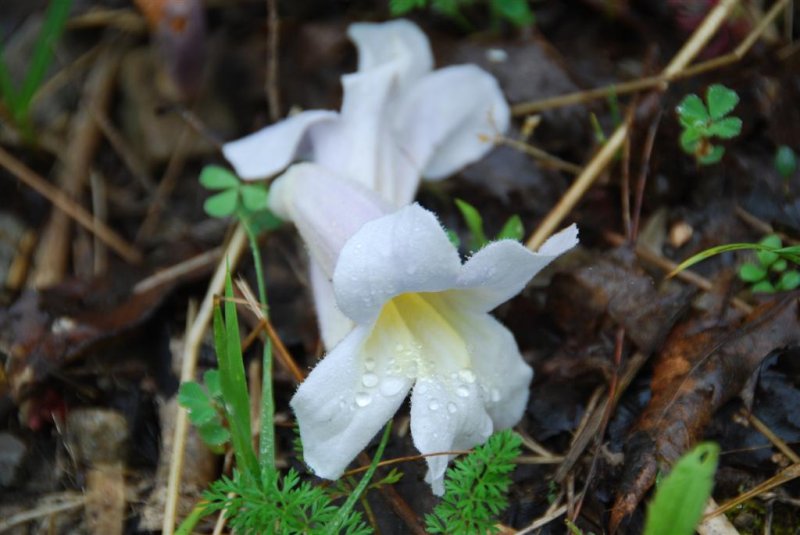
{"x":476,"y":488}
{"x":278,"y":505}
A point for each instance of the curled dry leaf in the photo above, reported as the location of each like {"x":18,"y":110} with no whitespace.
{"x":700,"y":368}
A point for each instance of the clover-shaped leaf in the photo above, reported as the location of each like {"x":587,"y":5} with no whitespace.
{"x":692,"y":112}
{"x":789,"y":280}
{"x":721,"y":101}
{"x":768,"y":257}
{"x":726,"y":128}
{"x":785,"y":161}
{"x":752,"y":273}
{"x":222,"y":204}
{"x":214,"y":177}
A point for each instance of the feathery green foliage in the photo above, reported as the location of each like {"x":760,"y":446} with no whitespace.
{"x":278,"y":506}
{"x":476,"y":488}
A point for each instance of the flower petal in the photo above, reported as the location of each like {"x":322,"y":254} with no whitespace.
{"x":449,"y":118}
{"x":501,"y":270}
{"x":267,"y":151}
{"x":360,"y":147}
{"x":442,"y":420}
{"x":340,"y":406}
{"x":327,"y":210}
{"x":407,"y":251}
{"x":398,"y":41}
{"x":333,"y":325}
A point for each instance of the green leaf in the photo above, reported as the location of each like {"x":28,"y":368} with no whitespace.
{"x":192,"y":397}
{"x":713,"y":156}
{"x":680,"y":498}
{"x":222,"y":204}
{"x":214,"y":177}
{"x":689,"y":140}
{"x":214,"y":434}
{"x":726,"y":128}
{"x":515,"y":11}
{"x":233,"y":383}
{"x":752,"y":273}
{"x":721,"y":101}
{"x":401,"y":7}
{"x":779,"y":265}
{"x":785,"y":161}
{"x":692,"y":111}
{"x":55,"y":19}
{"x":767,"y":257}
{"x":512,"y":229}
{"x":763,"y":287}
{"x":713,"y":251}
{"x":474,"y":223}
{"x":453,"y":237}
{"x":789,"y":281}
{"x":254,"y":197}
{"x":211,"y":380}
{"x":263,"y":220}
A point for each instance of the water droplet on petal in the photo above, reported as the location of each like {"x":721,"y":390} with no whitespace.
{"x":452,"y":408}
{"x":392,"y":385}
{"x":495,"y":395}
{"x":399,"y":347}
{"x":363,"y":399}
{"x":369,"y":380}
{"x":462,"y":391}
{"x":433,"y":405}
{"x":369,"y":364}
{"x":467,"y":375}
{"x":411,"y":269}
{"x":422,"y":388}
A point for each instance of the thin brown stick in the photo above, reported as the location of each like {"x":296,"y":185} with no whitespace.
{"x":665,"y":264}
{"x":777,"y":441}
{"x":650,"y":82}
{"x":642,"y":178}
{"x":194,"y":339}
{"x":69,"y":207}
{"x":71,"y":502}
{"x":544,"y":157}
{"x":601,"y":160}
{"x":273,"y":93}
{"x":165,"y":187}
{"x":52,"y":256}
{"x":786,"y":475}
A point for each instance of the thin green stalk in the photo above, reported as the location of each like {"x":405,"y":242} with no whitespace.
{"x":344,"y":511}
{"x":266,"y":445}
{"x":189,"y":523}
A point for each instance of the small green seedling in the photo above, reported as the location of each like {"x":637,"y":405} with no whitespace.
{"x":246,"y":200}
{"x":771,"y":272}
{"x":476,"y":488}
{"x":785,"y":162}
{"x":515,"y":11}
{"x":512,"y":229}
{"x":703,"y":121}
{"x":206,"y":410}
{"x":681,"y":496}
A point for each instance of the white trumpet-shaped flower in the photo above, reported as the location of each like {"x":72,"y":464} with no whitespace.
{"x":399,"y":121}
{"x":422,"y":325}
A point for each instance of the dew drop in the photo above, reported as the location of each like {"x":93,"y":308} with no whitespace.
{"x":495,"y":395}
{"x":462,"y":391}
{"x":369,"y":364}
{"x":369,"y":380}
{"x":399,"y":348}
{"x":467,"y":375}
{"x":411,"y":269}
{"x":392,"y":385}
{"x":422,"y":388}
{"x":433,"y":405}
{"x":363,"y":399}
{"x":452,"y":408}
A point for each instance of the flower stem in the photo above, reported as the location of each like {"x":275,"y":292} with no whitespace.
{"x":266,"y":446}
